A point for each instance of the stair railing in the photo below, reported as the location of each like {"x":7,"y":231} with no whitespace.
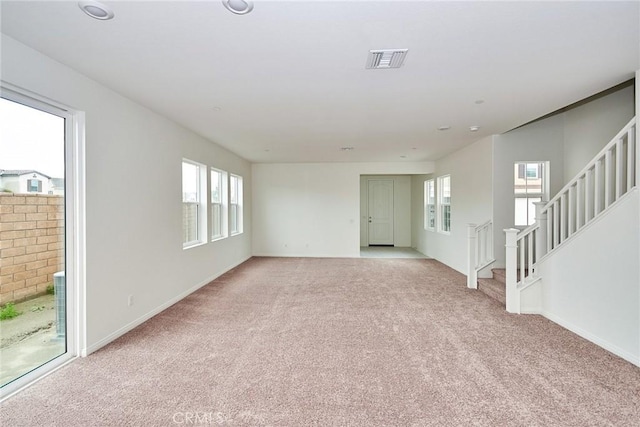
{"x":605,"y":179}
{"x":479,"y":250}
{"x":611,"y":174}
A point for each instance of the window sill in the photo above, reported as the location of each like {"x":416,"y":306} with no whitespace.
{"x":216,"y":239}
{"x":237,"y":233}
{"x":193,"y":245}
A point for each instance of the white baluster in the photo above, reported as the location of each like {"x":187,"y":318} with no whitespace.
{"x":571,"y":213}
{"x":631,"y":159}
{"x":597,"y":190}
{"x":579,"y":203}
{"x":542,"y":234}
{"x":619,"y":169}
{"x":588,"y":196}
{"x":529,"y":254}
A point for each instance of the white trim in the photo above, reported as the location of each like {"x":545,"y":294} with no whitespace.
{"x":35,"y":376}
{"x":427,"y":217}
{"x":239,"y":204}
{"x":140,"y":320}
{"x":593,"y":338}
{"x":202,"y":233}
{"x":224,"y":204}
{"x":439,"y":204}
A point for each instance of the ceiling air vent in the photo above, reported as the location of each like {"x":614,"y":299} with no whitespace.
{"x":386,"y":58}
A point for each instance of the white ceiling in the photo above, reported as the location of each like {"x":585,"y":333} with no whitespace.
{"x":287,"y":82}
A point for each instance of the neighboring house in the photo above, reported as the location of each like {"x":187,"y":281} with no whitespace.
{"x":57,"y":186}
{"x":29,"y":181}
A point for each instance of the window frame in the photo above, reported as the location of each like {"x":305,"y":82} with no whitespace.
{"x":75,"y":236}
{"x":200,"y":203}
{"x":38,"y":186}
{"x":542,"y":173}
{"x":235,"y":207}
{"x":430,"y":205}
{"x":222,"y":205}
{"x":444,"y":218}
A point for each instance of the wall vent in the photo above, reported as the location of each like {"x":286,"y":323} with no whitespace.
{"x":386,"y":58}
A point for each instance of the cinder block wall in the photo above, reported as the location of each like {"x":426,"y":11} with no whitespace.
{"x":31,"y":244}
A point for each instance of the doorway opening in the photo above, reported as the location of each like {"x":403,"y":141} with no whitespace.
{"x":386,"y":217}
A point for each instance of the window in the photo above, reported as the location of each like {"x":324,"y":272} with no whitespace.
{"x":218,"y":204}
{"x":429,"y":205}
{"x":529,"y":187}
{"x":193,"y":207}
{"x":34,"y":185}
{"x":235,"y":204}
{"x":444,"y":203}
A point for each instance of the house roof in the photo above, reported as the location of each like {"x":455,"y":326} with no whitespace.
{"x":20,"y":172}
{"x":288,"y":83}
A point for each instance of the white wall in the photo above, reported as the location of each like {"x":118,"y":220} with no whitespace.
{"x":591,"y":284}
{"x":471,"y":202}
{"x":401,"y":209}
{"x":539,"y":141}
{"x":313,"y":209}
{"x":133,"y":197}
{"x":590,"y":127}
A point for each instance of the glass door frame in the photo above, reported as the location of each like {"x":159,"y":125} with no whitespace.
{"x":75,"y":212}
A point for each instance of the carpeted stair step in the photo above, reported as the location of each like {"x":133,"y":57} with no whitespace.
{"x":499,"y":274}
{"x":493,"y":288}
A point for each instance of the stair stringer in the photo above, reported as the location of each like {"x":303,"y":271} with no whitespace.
{"x":599,"y":303}
{"x":485,"y":272}
{"x":530,"y":295}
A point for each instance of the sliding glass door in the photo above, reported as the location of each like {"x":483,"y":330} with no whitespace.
{"x":35,"y":289}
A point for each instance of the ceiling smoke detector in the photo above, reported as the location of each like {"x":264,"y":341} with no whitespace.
{"x":386,"y":58}
{"x":96,"y":10}
{"x":239,"y":7}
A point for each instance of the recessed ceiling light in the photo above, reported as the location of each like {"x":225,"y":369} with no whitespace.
{"x":480,"y":101}
{"x":474,"y":128}
{"x":239,"y":7}
{"x":403,"y":157}
{"x":96,"y":10}
{"x":444,"y":127}
{"x":346,"y":148}
{"x":216,"y":108}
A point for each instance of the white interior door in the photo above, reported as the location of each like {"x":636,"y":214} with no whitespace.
{"x":380,"y":212}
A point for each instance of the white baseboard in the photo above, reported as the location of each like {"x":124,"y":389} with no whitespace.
{"x":629,"y":357}
{"x":140,"y":320}
{"x":289,"y":255}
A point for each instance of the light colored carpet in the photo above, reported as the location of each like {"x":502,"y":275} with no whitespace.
{"x":390,"y":252}
{"x":338,"y":342}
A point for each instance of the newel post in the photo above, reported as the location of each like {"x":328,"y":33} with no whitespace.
{"x":541,"y":235}
{"x":513,"y":296}
{"x":472,"y":274}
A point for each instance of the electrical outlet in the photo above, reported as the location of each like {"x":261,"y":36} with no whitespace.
{"x":130,"y":300}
